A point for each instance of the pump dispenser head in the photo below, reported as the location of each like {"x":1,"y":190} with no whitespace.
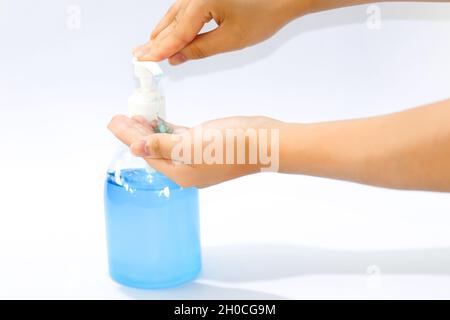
{"x":147,"y":72}
{"x":147,"y":101}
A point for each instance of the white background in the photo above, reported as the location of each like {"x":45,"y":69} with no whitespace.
{"x":265,"y":236}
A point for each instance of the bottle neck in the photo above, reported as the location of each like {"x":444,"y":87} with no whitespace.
{"x":146,"y":84}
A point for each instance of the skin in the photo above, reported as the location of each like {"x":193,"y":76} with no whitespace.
{"x":405,"y":150}
{"x":157,"y":148}
{"x":241,"y":23}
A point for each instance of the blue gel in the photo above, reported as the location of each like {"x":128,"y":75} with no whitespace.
{"x":152,"y":230}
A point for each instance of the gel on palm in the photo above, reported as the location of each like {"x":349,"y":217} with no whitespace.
{"x":152,"y":223}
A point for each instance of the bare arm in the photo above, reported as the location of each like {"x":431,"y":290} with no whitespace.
{"x":407,"y":150}
{"x":321,"y":5}
{"x":241,"y":23}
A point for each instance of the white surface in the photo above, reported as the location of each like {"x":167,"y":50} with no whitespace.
{"x":266,"y":236}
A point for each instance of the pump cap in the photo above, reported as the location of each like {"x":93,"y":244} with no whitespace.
{"x":144,"y":69}
{"x":147,"y":100}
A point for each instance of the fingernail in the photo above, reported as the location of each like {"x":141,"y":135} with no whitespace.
{"x":177,"y":59}
{"x":142,"y":52}
{"x":148,"y":152}
{"x":139,"y":148}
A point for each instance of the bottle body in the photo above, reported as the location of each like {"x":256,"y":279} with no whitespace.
{"x":152,"y":226}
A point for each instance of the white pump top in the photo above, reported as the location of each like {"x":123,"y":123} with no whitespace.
{"x":147,"y":100}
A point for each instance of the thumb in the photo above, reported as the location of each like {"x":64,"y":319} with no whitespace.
{"x":205,"y":45}
{"x":157,"y":146}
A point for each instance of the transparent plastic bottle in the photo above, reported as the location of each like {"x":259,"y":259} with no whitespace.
{"x":152,"y":223}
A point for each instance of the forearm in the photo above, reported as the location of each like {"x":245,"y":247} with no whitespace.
{"x":321,"y":5}
{"x":406,"y":150}
{"x":299,"y":8}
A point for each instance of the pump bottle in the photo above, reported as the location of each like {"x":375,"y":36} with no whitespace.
{"x":152,"y":224}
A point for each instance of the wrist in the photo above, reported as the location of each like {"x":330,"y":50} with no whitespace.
{"x":293,"y":9}
{"x":327,"y":150}
{"x":292,"y":147}
{"x":309,"y":149}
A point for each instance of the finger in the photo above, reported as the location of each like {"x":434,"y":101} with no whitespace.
{"x":166,"y":20}
{"x":205,"y":45}
{"x":143,"y":52}
{"x":153,"y":125}
{"x":175,"y":171}
{"x":161,"y":145}
{"x":127,"y":130}
{"x":177,"y":35}
{"x":149,"y":125}
{"x":144,"y":49}
{"x":138,"y":148}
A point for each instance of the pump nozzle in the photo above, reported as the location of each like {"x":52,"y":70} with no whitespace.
{"x":147,"y":100}
{"x":146,"y":72}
